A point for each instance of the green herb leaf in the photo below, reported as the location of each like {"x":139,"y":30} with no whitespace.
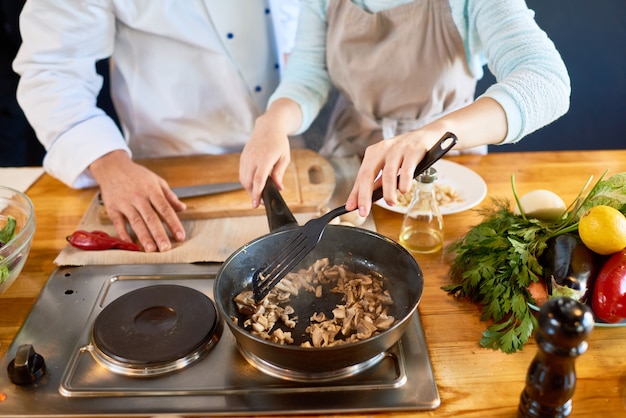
{"x":7,"y":233}
{"x":4,"y":272}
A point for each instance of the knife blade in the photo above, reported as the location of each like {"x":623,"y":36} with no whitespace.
{"x":201,"y":189}
{"x":206,"y":189}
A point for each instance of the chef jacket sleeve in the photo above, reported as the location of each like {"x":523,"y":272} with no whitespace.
{"x":59,"y":85}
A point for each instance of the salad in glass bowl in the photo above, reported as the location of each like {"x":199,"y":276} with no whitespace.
{"x":17,"y":227}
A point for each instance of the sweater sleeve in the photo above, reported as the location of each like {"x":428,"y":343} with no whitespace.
{"x":532,"y":83}
{"x":305,"y":79}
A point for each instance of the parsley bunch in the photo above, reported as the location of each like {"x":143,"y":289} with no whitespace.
{"x":496,"y":261}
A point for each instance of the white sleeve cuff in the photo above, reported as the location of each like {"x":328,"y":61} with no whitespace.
{"x":71,"y":154}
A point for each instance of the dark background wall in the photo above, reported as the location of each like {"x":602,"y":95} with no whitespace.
{"x":18,"y":144}
{"x":591,"y":37}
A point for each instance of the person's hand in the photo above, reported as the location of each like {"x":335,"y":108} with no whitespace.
{"x":397,"y":156}
{"x":135,"y":195}
{"x":481,"y":123}
{"x":267,"y":153}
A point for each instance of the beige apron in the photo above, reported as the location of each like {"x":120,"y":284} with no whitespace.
{"x":395,"y":70}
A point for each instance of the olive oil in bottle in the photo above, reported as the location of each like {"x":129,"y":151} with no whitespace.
{"x":422,"y":226}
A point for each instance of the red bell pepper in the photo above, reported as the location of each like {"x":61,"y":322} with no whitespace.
{"x":99,"y":240}
{"x":609,"y":292}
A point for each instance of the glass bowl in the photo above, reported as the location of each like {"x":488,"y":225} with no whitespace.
{"x":13,"y":253}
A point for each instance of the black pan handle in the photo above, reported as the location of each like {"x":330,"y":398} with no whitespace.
{"x":278,"y":214}
{"x":445,"y":143}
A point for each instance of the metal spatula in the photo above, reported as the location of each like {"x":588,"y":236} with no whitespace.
{"x":274,"y":269}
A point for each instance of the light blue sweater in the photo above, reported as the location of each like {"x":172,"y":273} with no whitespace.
{"x":532,"y":85}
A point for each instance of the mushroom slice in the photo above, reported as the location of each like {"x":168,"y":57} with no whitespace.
{"x":245,"y":302}
{"x":384,"y":322}
{"x":318,"y":291}
{"x":318,"y":317}
{"x":339,"y":312}
{"x":321,"y":264}
{"x":365,"y":329}
{"x":317,"y":335}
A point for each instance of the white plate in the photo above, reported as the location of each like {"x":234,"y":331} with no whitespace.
{"x":471,"y":187}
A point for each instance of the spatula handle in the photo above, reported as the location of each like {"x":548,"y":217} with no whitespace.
{"x":445,"y":143}
{"x":278,"y":214}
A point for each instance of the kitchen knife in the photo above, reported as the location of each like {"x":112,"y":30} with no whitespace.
{"x":201,"y":189}
{"x":206,"y":189}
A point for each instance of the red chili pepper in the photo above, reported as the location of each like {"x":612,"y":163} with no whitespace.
{"x":99,"y":240}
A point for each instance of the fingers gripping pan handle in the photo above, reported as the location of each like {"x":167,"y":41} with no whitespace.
{"x":445,"y":143}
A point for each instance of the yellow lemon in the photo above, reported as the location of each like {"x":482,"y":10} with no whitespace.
{"x":603,"y":230}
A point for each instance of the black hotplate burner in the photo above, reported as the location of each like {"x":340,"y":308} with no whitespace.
{"x":154,"y":325}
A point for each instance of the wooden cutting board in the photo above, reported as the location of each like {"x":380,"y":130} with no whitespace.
{"x":309,"y":183}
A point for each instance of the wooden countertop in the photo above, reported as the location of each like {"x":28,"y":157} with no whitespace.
{"x":472,"y":381}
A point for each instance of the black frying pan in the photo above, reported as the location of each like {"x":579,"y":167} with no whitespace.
{"x":361,"y":250}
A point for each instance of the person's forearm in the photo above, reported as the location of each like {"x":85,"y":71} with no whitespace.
{"x":480,"y":123}
{"x":284,"y":114}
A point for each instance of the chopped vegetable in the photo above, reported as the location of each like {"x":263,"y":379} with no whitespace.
{"x":497,"y":260}
{"x":99,"y":240}
{"x":6,"y":234}
{"x":569,"y":267}
{"x":4,"y":272}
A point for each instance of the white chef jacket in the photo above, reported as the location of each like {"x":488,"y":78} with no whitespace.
{"x":187,"y":77}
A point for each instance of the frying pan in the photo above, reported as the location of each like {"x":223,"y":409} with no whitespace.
{"x":360,"y":250}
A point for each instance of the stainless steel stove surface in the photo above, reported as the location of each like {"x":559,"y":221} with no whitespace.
{"x":214,"y":380}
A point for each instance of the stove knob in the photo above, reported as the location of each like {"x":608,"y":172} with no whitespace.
{"x":27,"y":366}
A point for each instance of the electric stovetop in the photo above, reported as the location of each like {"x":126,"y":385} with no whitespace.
{"x":75,"y":382}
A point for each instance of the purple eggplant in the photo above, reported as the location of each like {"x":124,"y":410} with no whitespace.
{"x":569,"y":267}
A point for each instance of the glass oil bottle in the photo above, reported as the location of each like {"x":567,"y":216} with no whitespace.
{"x":422,"y":226}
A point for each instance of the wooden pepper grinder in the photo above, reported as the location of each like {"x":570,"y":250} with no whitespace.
{"x":564,"y":325}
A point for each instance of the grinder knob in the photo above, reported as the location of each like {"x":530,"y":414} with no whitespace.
{"x":27,"y":367}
